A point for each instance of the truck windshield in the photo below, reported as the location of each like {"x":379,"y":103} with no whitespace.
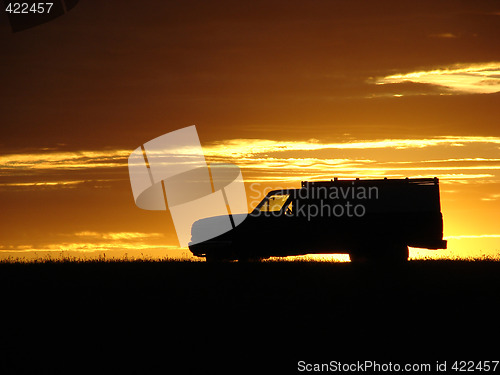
{"x":274,"y":203}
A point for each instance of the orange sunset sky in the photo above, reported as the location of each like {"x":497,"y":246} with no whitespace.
{"x":287,"y":90}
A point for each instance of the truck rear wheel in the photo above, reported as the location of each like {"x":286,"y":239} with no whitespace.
{"x":398,"y":253}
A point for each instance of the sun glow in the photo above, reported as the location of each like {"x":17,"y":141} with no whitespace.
{"x":282,"y":159}
{"x":481,"y":78}
{"x":468,"y":166}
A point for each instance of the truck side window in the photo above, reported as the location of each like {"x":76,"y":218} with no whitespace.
{"x":274,"y":203}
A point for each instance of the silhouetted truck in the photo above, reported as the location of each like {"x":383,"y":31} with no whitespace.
{"x":371,"y":220}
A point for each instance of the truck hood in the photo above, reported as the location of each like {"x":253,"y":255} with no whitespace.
{"x":211,"y":227}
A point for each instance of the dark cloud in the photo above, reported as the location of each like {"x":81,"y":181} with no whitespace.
{"x":116,"y":74}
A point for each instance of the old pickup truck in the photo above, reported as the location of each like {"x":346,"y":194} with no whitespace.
{"x":371,"y":220}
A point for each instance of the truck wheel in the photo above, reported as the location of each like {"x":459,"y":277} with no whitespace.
{"x":394,"y":253}
{"x":398,"y":253}
{"x":211,"y":258}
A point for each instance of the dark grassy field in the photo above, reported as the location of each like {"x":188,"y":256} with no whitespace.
{"x":190,"y":317}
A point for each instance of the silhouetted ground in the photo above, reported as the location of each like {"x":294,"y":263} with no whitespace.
{"x":178,"y":317}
